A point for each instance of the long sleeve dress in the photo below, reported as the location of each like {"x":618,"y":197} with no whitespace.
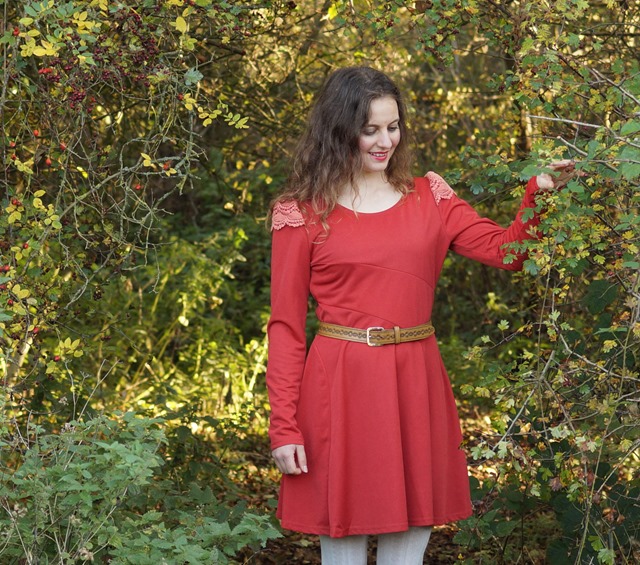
{"x":379,"y":424}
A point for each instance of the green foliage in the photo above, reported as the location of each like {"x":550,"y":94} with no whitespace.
{"x":105,"y":116}
{"x":74,"y":495}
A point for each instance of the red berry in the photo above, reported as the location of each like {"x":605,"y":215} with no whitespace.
{"x":16,"y":31}
{"x":63,"y":146}
{"x":16,"y":202}
{"x":47,"y":162}
{"x":36,"y":330}
{"x":25,"y":246}
{"x":12,"y":144}
{"x":138,"y":187}
{"x":56,"y":358}
{"x":10,"y":302}
{"x":36,"y":132}
{"x":14,"y":157}
{"x":180,"y":96}
{"x":167,"y":166}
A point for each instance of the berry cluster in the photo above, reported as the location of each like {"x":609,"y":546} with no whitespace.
{"x":124,"y":54}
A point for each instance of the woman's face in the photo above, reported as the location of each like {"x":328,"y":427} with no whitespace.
{"x":380,"y":135}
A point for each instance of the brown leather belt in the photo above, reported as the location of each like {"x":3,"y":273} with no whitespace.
{"x":376,"y":335}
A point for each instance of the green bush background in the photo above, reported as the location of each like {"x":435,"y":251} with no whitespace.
{"x":141,"y":145}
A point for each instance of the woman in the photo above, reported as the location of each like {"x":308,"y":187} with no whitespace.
{"x":364,"y":426}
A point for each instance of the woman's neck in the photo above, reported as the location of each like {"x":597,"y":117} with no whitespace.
{"x":372,"y":193}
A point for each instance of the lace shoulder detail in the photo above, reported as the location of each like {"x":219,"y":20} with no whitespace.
{"x":439,"y":187}
{"x":286,"y":214}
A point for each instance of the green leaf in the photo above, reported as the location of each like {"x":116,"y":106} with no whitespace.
{"x":600,"y":294}
{"x":606,"y":556}
{"x":192,"y":76}
{"x":629,"y":171}
{"x":503,"y":529}
{"x":630,"y":128}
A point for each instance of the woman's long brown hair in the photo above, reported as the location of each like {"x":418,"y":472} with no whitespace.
{"x":327,"y":157}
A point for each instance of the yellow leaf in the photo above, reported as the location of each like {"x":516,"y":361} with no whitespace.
{"x":147,"y":162}
{"x":39,"y":193}
{"x":20,"y":292}
{"x":181,"y":24}
{"x":188,"y":43}
{"x":14,"y":217}
{"x":26,"y":21}
{"x":19,"y":309}
{"x":45,"y":48}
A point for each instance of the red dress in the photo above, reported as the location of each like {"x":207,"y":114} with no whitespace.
{"x":379,"y":424}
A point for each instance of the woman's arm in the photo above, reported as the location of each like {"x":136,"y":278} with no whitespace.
{"x":290,"y":276}
{"x":483,"y":239}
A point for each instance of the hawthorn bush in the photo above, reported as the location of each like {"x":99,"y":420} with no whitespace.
{"x":104,"y":115}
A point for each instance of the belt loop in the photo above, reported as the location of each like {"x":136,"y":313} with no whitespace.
{"x":396,"y":334}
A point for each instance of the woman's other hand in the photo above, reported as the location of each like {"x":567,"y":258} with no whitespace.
{"x":566,"y":170}
{"x":290,"y":459}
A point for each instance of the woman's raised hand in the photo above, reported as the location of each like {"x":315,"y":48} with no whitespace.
{"x":566,"y":171}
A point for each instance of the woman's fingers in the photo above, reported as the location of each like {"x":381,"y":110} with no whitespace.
{"x":564,"y":171}
{"x":567,"y":164}
{"x":301,"y":456}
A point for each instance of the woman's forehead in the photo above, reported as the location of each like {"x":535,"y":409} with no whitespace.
{"x":383,"y":110}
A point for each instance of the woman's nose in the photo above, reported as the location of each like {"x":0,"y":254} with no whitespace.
{"x":384,"y":140}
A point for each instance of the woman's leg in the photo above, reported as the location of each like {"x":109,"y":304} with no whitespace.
{"x":349,"y":550}
{"x":403,"y":548}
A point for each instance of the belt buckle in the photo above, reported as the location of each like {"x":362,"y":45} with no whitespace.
{"x":374,"y":329}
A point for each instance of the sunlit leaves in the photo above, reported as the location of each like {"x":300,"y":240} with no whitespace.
{"x":181,"y":24}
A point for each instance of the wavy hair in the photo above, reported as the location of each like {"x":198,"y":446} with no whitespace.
{"x":327,"y":156}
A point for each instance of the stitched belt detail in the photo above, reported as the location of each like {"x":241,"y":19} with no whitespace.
{"x":376,"y":335}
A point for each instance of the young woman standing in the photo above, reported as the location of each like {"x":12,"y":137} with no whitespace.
{"x":364,"y":425}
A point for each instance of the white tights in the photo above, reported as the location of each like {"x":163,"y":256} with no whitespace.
{"x":399,"y":548}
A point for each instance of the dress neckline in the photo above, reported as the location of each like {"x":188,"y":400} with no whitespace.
{"x":358,"y":213}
